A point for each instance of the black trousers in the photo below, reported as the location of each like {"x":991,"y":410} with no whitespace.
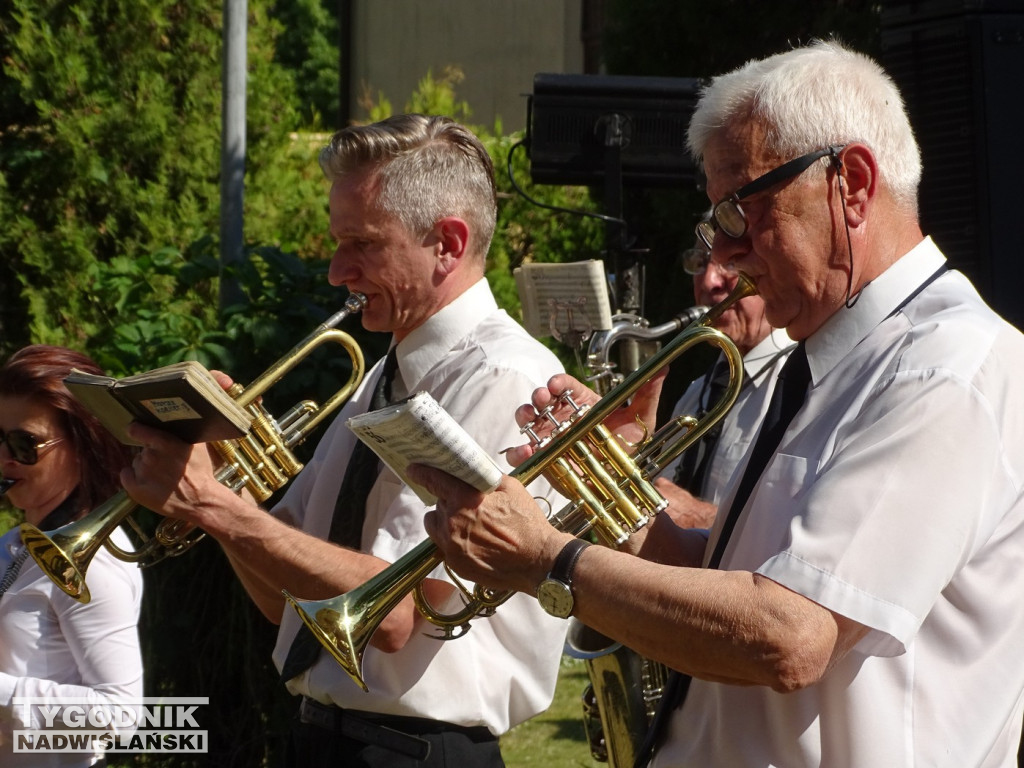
{"x":340,"y":739}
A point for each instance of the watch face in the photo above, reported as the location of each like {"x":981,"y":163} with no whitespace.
{"x":555,"y":597}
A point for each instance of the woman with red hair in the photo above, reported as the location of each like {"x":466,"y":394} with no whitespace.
{"x":57,"y":463}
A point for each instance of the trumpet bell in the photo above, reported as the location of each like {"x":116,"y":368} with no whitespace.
{"x":345,"y":623}
{"x":64,"y":554}
{"x":337,"y":629}
{"x":59,"y":557}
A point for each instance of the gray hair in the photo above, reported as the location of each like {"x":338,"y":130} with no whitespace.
{"x":427,"y":168}
{"x":813,"y":97}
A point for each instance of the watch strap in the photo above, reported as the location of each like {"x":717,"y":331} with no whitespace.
{"x":565,"y":563}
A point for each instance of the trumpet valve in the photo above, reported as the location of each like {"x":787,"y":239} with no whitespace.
{"x":577,"y":409}
{"x":565,"y":398}
{"x":528,"y":430}
{"x":278,"y":463}
{"x":239,"y":472}
{"x":547,"y":413}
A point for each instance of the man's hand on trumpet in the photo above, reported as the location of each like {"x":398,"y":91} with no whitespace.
{"x":170,"y":476}
{"x":503,"y":539}
{"x":623,"y":422}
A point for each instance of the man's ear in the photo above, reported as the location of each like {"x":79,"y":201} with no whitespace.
{"x":451,"y":241}
{"x":858,"y":179}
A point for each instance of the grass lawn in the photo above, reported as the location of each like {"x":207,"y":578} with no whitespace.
{"x":555,"y":738}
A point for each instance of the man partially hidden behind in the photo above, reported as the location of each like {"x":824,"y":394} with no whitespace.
{"x":695,"y":483}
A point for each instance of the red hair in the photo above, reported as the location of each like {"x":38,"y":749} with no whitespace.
{"x":38,"y":372}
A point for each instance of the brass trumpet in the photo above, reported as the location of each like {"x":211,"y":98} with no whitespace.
{"x":614,"y":498}
{"x":262,"y":462}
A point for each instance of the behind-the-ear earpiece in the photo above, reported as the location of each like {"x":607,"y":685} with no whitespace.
{"x":837,"y":161}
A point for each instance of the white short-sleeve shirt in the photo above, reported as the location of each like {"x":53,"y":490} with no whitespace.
{"x":479,"y":365}
{"x":895,"y":500}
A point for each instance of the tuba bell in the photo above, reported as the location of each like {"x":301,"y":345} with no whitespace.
{"x":612,"y":494}
{"x":261,"y":461}
{"x":622,"y":697}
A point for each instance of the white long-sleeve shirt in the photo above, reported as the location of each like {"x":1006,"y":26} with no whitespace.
{"x":54,"y":649}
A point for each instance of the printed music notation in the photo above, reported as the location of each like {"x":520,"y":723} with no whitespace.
{"x":568,"y":301}
{"x":419,"y":430}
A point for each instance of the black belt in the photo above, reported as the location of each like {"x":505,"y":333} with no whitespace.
{"x":394,"y":732}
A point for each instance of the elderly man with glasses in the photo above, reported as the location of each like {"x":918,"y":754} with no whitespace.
{"x":857,"y":603}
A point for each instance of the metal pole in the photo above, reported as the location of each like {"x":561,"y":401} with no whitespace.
{"x":345,"y":22}
{"x":232,"y":153}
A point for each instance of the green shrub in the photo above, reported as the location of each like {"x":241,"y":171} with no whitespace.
{"x":110,"y":147}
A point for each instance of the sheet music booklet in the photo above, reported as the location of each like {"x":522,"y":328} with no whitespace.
{"x":418,"y":430}
{"x":182,"y":398}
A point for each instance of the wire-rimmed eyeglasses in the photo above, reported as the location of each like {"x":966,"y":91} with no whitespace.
{"x":24,"y":446}
{"x":727,"y":214}
{"x":697,"y":259}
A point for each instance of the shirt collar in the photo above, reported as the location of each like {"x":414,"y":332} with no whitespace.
{"x":877,"y":300}
{"x":419,"y":352}
{"x":765,"y":352}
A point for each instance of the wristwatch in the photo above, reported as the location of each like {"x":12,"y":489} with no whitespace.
{"x":555,"y":593}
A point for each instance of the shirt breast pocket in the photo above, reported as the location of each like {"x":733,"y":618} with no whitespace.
{"x":771,"y":511}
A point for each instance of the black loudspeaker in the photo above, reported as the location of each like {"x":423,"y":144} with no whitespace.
{"x":960,"y":67}
{"x":578,"y":124}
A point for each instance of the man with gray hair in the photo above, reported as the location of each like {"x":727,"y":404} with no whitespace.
{"x":857,"y":602}
{"x":412,"y":210}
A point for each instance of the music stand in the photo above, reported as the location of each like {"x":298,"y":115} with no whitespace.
{"x":617,"y":131}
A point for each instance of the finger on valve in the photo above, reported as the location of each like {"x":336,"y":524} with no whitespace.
{"x":552,"y":409}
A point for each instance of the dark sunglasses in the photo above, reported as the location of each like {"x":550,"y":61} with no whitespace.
{"x":24,"y":446}
{"x":729,"y":217}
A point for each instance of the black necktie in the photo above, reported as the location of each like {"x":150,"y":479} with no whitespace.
{"x":361,"y":473}
{"x":349,"y":514}
{"x":692,"y":469}
{"x":786,"y":400}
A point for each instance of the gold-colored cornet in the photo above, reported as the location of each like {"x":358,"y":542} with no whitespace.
{"x":262,"y":462}
{"x":612,"y":493}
